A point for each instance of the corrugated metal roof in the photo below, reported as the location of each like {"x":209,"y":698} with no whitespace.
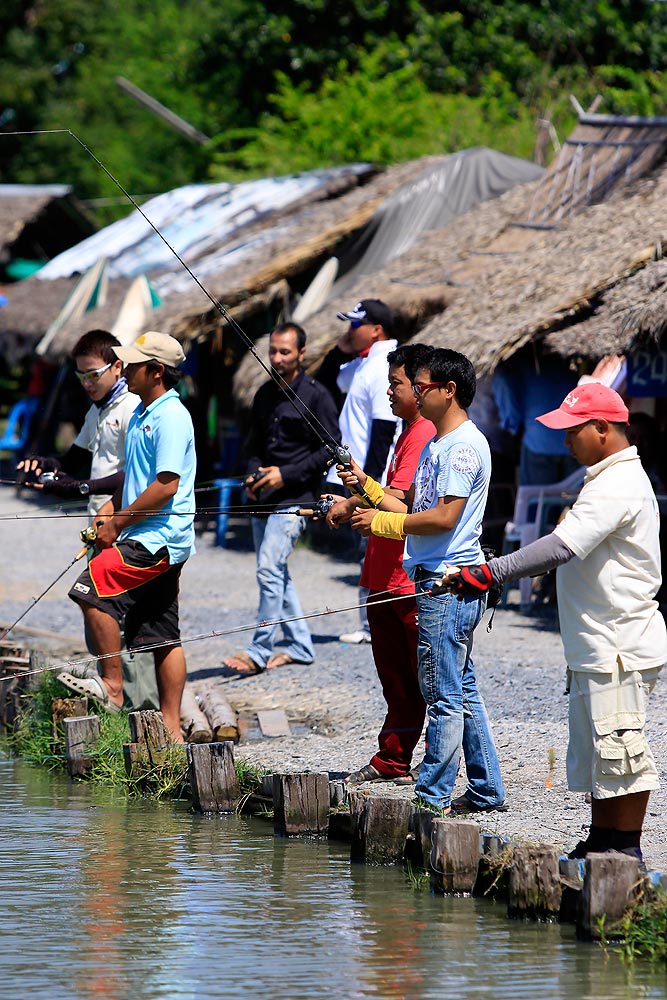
{"x":198,"y":220}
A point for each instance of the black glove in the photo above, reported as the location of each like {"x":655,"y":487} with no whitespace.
{"x":30,"y":467}
{"x":63,"y":486}
{"x":471,"y":580}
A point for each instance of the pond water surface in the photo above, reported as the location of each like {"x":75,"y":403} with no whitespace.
{"x":104,"y":898}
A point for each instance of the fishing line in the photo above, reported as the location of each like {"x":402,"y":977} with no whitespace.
{"x":310,"y":418}
{"x":257,"y":510}
{"x":213,"y":634}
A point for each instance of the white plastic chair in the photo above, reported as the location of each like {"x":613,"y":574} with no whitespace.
{"x":534,"y":517}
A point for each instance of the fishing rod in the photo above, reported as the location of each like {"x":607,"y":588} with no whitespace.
{"x":339,"y":454}
{"x":213,"y":634}
{"x":80,"y":554}
{"x":319,"y":508}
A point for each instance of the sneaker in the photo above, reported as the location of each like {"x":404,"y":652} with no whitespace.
{"x":355,"y":638}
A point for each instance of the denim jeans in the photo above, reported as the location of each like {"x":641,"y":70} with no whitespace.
{"x":274,"y":537}
{"x":456,"y":714}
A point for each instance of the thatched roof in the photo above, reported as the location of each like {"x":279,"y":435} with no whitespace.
{"x":417,"y":285}
{"x":632,"y":312}
{"x":534,"y":282}
{"x":42,"y":219}
{"x":603,"y":154}
{"x":283,"y":243}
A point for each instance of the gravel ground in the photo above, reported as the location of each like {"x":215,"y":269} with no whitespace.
{"x":335,"y":706}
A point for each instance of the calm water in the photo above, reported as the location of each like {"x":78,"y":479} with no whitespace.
{"x":103,"y":899}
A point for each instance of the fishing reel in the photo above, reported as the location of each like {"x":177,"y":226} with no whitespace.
{"x":340,"y":455}
{"x":89,"y":535}
{"x":252,"y":478}
{"x":322,"y":506}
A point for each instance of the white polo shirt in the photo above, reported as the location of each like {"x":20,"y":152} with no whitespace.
{"x":366,"y":400}
{"x":606,"y":596}
{"x":103,"y":433}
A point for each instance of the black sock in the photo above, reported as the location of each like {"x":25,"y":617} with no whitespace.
{"x":598,"y":838}
{"x":620,"y":839}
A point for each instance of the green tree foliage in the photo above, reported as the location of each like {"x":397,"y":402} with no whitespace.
{"x":372,"y":115}
{"x":306,"y":82}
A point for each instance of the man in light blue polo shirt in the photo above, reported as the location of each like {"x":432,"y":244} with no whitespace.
{"x":144,"y":536}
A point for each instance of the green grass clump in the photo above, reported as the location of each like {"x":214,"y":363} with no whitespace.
{"x":644,"y":927}
{"x":32,"y":735}
{"x":164,"y":777}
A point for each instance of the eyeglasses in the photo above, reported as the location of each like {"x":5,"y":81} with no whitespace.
{"x":94,"y":375}
{"x":419,"y":388}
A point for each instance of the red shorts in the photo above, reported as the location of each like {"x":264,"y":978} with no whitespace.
{"x":136,"y":586}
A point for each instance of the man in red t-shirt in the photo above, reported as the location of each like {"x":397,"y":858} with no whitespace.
{"x":393,"y":624}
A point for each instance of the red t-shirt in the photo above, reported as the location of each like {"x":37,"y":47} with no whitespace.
{"x":383,"y":563}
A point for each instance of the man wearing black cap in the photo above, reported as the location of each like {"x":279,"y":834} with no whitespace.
{"x":367,"y":424}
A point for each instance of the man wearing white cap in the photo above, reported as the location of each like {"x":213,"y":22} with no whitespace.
{"x":608,"y":557}
{"x":367,"y":425}
{"x":144,"y":536}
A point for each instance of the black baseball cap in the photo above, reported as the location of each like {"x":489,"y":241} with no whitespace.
{"x":370,"y":311}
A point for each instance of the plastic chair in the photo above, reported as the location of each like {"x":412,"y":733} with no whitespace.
{"x":17,"y":432}
{"x":226,"y":489}
{"x":535,"y":513}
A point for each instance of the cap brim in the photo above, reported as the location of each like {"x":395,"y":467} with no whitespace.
{"x":559,"y":420}
{"x":347,"y":316}
{"x":129,"y":355}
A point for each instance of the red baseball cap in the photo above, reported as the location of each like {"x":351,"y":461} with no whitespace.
{"x":592,"y":401}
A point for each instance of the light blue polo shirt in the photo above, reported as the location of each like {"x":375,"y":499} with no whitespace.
{"x":161,"y":439}
{"x":456,"y":465}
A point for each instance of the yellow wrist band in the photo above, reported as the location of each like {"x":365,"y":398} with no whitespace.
{"x":388,"y":524}
{"x":374,"y":491}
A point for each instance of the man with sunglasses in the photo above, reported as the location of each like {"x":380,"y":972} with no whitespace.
{"x":93,"y":466}
{"x":367,"y":425}
{"x":442,"y":515}
{"x":144,"y":536}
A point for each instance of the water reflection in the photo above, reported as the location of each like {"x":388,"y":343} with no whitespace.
{"x":105,"y":899}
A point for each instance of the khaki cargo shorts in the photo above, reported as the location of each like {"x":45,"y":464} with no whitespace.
{"x":608,"y":754}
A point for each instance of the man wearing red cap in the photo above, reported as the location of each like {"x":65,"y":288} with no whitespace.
{"x":608,"y":557}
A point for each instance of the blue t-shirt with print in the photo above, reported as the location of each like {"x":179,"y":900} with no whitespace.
{"x":456,"y":465}
{"x":161,"y":439}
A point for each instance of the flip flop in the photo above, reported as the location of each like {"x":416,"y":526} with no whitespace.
{"x":282,"y":660}
{"x":366,"y":773}
{"x":240,"y":665}
{"x":94,"y":687}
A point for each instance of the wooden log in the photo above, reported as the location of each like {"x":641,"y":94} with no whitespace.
{"x":454,"y":856}
{"x":80,"y":735}
{"x":147,"y":728}
{"x":65,"y":708}
{"x":572,"y":884}
{"x":213,"y":778}
{"x":379,"y":828}
{"x":422,"y":825}
{"x":135,"y":758}
{"x":535,"y":888}
{"x":611,"y":883}
{"x":220,"y":714}
{"x":301,"y":804}
{"x":493,"y":870}
{"x":194,"y":723}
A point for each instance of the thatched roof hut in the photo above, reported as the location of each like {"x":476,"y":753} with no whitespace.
{"x":38,"y":221}
{"x":504,"y":283}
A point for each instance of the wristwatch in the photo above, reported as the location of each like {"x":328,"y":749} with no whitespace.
{"x":84,"y":489}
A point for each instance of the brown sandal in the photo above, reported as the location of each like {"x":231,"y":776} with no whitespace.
{"x":240,"y":665}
